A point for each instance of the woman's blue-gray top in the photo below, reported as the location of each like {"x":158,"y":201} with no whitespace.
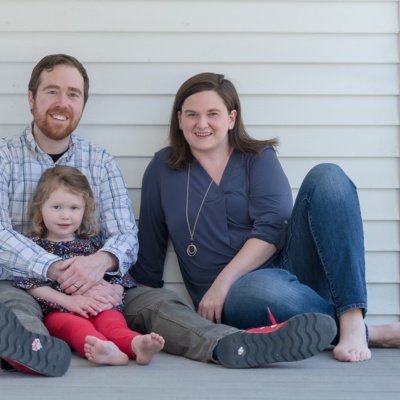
{"x":253,"y":200}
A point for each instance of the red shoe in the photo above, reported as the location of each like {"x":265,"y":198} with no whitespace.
{"x":267,"y":329}
{"x":21,"y":368}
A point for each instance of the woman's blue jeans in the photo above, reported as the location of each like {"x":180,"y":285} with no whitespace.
{"x":321,"y":267}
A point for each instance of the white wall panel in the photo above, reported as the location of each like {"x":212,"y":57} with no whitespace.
{"x":379,"y":173}
{"x":386,"y":298}
{"x":333,"y":141}
{"x":381,"y":235}
{"x":222,"y":47}
{"x":194,"y":16}
{"x":261,"y":78}
{"x":383,"y":267}
{"x":379,"y":204}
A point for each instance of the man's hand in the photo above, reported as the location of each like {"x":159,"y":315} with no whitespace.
{"x":81,"y":273}
{"x":56,"y":269}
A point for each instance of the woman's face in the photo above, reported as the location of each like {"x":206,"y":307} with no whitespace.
{"x":205,"y":122}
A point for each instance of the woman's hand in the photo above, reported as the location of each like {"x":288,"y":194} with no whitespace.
{"x":212,"y":303}
{"x":252,"y":255}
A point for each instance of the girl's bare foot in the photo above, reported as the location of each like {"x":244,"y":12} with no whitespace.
{"x":104,"y":352}
{"x":352,"y":346}
{"x":384,"y":335}
{"x":146,"y":347}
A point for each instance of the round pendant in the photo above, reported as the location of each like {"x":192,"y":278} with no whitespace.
{"x":191,"y":250}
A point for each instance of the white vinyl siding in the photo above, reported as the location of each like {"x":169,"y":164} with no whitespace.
{"x":322,"y":76}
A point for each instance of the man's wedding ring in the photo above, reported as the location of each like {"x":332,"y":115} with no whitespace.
{"x":74,"y":284}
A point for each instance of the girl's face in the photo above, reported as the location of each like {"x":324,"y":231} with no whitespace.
{"x":205,"y":122}
{"x":62,"y":214}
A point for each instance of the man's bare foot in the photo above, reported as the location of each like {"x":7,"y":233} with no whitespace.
{"x":384,"y":335}
{"x":104,"y":352}
{"x":352,"y":346}
{"x":146,"y":347}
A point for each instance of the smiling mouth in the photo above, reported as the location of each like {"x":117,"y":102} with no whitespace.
{"x":202,"y":134}
{"x":59,"y":117}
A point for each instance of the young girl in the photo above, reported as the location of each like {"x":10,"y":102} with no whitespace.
{"x":62,"y":213}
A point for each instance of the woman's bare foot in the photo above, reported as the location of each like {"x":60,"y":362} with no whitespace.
{"x":352,"y":346}
{"x":104,"y":352}
{"x":384,"y":335}
{"x":146,"y":347}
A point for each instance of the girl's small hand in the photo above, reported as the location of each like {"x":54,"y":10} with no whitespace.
{"x":82,"y":305}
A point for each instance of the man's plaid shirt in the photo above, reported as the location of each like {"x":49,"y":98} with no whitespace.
{"x":22,"y":163}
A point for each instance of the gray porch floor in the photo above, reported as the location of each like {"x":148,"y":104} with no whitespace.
{"x":170,"y":377}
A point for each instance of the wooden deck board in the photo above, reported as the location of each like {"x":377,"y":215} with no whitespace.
{"x":170,"y":377}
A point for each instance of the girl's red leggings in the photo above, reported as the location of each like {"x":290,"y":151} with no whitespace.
{"x":109,"y":325}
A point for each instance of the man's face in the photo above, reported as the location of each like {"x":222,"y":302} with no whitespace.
{"x":59,"y":102}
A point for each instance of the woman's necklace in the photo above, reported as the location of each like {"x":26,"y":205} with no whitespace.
{"x":192,"y":249}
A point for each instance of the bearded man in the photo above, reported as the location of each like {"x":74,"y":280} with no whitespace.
{"x":58,"y":92}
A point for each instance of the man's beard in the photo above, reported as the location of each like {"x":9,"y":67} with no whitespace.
{"x":50,"y":130}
